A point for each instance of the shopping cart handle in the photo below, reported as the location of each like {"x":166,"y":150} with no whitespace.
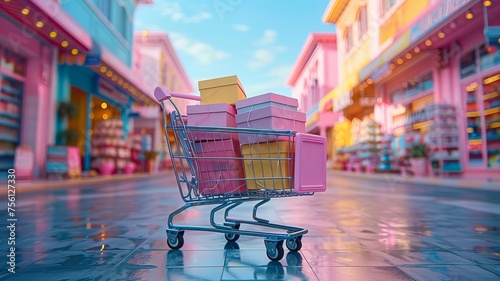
{"x":162,"y":94}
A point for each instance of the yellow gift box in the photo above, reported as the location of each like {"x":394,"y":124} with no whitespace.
{"x":269,"y":165}
{"x":221,"y":90}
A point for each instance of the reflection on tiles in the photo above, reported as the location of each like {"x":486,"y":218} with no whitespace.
{"x":356,"y":232}
{"x":375,"y":273}
{"x":449,"y":272}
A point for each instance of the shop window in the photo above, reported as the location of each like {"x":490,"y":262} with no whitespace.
{"x":12,"y":68}
{"x":427,"y":83}
{"x":13,"y":63}
{"x":362,"y":22}
{"x":474,"y":126}
{"x":105,"y":7}
{"x":348,"y":39}
{"x":468,"y":64}
{"x":122,"y":23}
{"x":491,"y":105}
{"x":413,"y":87}
{"x":387,"y":5}
{"x":488,"y":60}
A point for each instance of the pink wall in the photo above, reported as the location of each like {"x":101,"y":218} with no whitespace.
{"x":318,"y":59}
{"x":38,"y":93}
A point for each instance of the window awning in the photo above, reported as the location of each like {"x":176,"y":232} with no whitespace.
{"x":47,"y":19}
{"x":116,"y":72}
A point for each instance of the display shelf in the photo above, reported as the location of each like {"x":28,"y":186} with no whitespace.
{"x":109,"y":148}
{"x":11,"y":90}
{"x":491,"y":105}
{"x":7,"y":153}
{"x":444,"y":139}
{"x":10,"y":115}
{"x":9,"y":124}
{"x":11,"y":100}
{"x":9,"y":139}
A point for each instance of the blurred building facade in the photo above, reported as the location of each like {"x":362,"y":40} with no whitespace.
{"x":55,"y":53}
{"x":156,"y":61}
{"x":103,"y":85}
{"x":312,"y":77}
{"x":32,"y":36}
{"x":398,"y":58}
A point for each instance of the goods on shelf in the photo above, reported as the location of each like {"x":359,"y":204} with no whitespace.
{"x":386,"y":156}
{"x":11,"y":96}
{"x":367,"y":143}
{"x":443,"y":139}
{"x":110,"y":151}
{"x":491,"y":106}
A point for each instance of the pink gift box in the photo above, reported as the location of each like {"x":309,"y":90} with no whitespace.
{"x":215,"y":115}
{"x":272,"y":118}
{"x":219,"y":164}
{"x":266,"y":100}
{"x":221,"y":182}
{"x":310,"y":163}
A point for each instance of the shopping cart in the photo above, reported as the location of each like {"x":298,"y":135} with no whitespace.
{"x":227,"y":167}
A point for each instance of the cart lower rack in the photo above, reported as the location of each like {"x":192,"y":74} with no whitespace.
{"x":227,"y":167}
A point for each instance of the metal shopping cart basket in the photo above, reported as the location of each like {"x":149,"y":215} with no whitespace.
{"x":226,"y":167}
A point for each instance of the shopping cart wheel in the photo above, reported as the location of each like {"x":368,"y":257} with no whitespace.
{"x":176,"y":242}
{"x":276,"y":254}
{"x":231,"y":237}
{"x":294,"y":244}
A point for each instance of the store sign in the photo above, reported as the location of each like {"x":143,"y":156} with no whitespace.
{"x":381,"y":72}
{"x":367,"y":101}
{"x":411,"y":119}
{"x":343,"y":101}
{"x":435,"y":17}
{"x":107,"y":89}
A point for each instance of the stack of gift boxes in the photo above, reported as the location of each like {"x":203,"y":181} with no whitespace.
{"x":227,"y":162}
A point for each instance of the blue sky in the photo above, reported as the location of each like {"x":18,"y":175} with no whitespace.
{"x":258,"y":40}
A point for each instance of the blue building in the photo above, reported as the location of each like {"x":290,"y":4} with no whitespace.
{"x":101,"y":82}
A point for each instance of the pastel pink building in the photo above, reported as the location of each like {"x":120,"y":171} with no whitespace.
{"x":314,"y":74}
{"x":156,"y":62}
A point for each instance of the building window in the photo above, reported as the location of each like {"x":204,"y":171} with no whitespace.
{"x":387,"y":5}
{"x":348,"y":39}
{"x":362,"y":22}
{"x":105,"y":7}
{"x":122,"y":23}
{"x":468,"y":64}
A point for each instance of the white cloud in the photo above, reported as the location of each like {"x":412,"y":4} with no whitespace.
{"x":240,"y":27}
{"x":279,"y":49}
{"x":275,"y":81}
{"x":174,"y":10}
{"x":203,"y":53}
{"x":268,"y":38}
{"x":261,"y":58}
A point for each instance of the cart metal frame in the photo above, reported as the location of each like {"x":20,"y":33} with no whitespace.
{"x":186,"y":167}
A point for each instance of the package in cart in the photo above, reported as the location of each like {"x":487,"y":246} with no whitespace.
{"x":272,"y":118}
{"x":266,"y":100}
{"x":219,"y":167}
{"x":218,"y":115}
{"x":269,"y":165}
{"x":226,"y":89}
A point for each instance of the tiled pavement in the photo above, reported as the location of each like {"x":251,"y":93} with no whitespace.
{"x":359,"y":229}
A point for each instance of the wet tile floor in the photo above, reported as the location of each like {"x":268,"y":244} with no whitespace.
{"x":357,"y":231}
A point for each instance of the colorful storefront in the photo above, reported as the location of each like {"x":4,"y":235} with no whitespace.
{"x":351,"y":100}
{"x":102,"y":83}
{"x":442,"y":58}
{"x":33,"y":33}
{"x":156,"y":61}
{"x":312,"y":77}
